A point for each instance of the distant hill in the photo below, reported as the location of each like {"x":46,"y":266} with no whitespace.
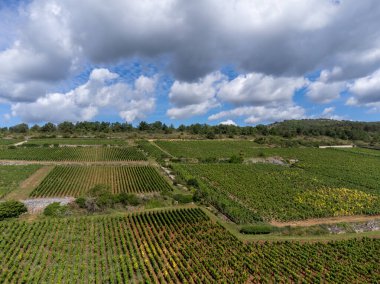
{"x":345,"y":130}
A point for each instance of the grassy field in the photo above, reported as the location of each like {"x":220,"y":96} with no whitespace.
{"x":85,"y":154}
{"x":11,"y":176}
{"x":282,"y":193}
{"x":77,"y":180}
{"x":169,"y":247}
{"x":77,"y":141}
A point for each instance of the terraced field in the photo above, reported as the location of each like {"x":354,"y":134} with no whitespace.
{"x":82,"y":154}
{"x":169,"y":247}
{"x":77,"y":180}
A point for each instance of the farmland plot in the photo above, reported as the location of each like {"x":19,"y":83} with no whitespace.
{"x":169,"y":247}
{"x":77,"y":180}
{"x":85,"y":154}
{"x":279,"y":193}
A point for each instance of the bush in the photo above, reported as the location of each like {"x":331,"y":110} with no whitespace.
{"x":183,"y":198}
{"x":193,"y":182}
{"x":199,"y":195}
{"x":236,"y":159}
{"x":257,"y":229}
{"x":11,"y":209}
{"x":81,"y":201}
{"x":55,"y":209}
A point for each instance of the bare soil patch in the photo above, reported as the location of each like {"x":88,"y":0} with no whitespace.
{"x":330,"y":220}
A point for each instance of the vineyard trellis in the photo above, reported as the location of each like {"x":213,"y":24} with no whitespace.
{"x":175,"y":246}
{"x":85,"y":154}
{"x":77,"y":180}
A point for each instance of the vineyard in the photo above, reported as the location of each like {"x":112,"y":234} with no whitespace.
{"x":208,"y":149}
{"x":151,"y":150}
{"x":278,"y":192}
{"x":4,"y":142}
{"x":85,"y":154}
{"x":76,"y":141}
{"x":169,"y":247}
{"x":77,"y":180}
{"x":11,"y":176}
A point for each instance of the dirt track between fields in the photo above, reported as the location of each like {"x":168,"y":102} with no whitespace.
{"x":62,"y":163}
{"x":330,"y":220}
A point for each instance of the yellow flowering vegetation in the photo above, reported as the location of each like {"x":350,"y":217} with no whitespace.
{"x":338,"y":201}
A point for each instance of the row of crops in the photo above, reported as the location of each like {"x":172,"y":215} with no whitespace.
{"x":169,"y":247}
{"x":77,"y":180}
{"x":207,"y":148}
{"x":85,"y":154}
{"x":278,"y":192}
{"x":76,"y":141}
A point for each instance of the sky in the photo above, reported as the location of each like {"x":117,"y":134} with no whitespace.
{"x":243,"y":62}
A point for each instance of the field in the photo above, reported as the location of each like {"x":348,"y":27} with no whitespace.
{"x":167,"y":247}
{"x":280,"y":193}
{"x":11,"y":176}
{"x":77,"y":141}
{"x":208,"y":149}
{"x":81,"y":154}
{"x":77,"y":180}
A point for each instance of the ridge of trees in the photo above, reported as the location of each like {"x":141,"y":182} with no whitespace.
{"x":344,"y":130}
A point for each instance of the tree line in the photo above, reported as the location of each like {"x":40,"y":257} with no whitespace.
{"x":345,"y":130}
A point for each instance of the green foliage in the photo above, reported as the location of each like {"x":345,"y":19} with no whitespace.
{"x":183,"y":198}
{"x":81,"y":201}
{"x":236,"y":159}
{"x":56,"y":210}
{"x":193,"y":182}
{"x":11,"y":209}
{"x":257,"y":229}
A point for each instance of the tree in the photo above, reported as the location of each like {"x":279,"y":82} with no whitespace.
{"x":48,"y":127}
{"x":66,"y":127}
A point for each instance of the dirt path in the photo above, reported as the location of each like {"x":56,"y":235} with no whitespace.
{"x":27,"y":186}
{"x":330,"y":220}
{"x":20,"y":143}
{"x":58,"y":163}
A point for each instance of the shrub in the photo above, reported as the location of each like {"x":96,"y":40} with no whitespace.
{"x":193,"y":182}
{"x":236,"y":159}
{"x":81,"y":201}
{"x":183,"y":198}
{"x":257,"y":229}
{"x":55,"y":209}
{"x":11,"y":209}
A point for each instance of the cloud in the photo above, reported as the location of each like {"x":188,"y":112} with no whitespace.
{"x":258,"y":89}
{"x":324,"y":89}
{"x":228,"y":122}
{"x":256,"y":114}
{"x":272,"y":43}
{"x":85,"y":102}
{"x":196,"y":98}
{"x":365,"y":91}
